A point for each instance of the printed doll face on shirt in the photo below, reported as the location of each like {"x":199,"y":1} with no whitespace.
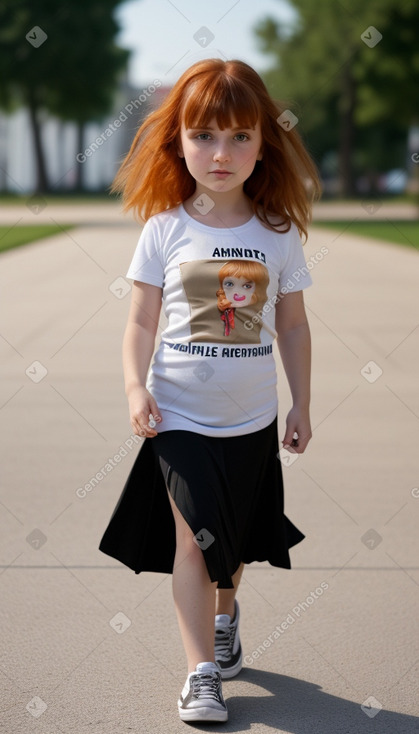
{"x":222,"y":296}
{"x":238,"y":291}
{"x":242,"y":283}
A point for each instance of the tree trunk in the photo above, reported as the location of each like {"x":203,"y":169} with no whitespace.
{"x":80,"y":166}
{"x":347,"y":131}
{"x":42,"y":178}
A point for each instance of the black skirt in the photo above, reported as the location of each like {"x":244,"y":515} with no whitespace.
{"x":229,"y":490}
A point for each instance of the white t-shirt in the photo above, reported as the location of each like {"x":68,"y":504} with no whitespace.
{"x":214,"y":371}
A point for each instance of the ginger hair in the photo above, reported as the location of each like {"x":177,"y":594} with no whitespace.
{"x":153,"y":178}
{"x":243,"y":269}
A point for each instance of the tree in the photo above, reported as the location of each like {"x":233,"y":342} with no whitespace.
{"x":72,"y":73}
{"x":346,"y":80}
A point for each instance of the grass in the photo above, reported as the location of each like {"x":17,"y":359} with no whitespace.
{"x":52,"y":197}
{"x":399,"y":232}
{"x":14,"y":236}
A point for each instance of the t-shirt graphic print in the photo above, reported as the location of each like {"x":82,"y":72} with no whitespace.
{"x":223,"y":296}
{"x":214,"y":370}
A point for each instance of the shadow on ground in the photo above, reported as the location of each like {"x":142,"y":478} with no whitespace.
{"x":299,"y":707}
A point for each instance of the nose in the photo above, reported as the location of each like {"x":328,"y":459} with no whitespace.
{"x":222,"y":152}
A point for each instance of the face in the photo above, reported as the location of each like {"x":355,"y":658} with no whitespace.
{"x":220,"y":160}
{"x":238,"y":291}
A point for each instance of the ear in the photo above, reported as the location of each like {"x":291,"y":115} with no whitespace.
{"x":259,"y":156}
{"x":179,"y":150}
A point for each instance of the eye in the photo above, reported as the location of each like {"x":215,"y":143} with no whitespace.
{"x":203,"y":136}
{"x":248,"y":285}
{"x":228,"y":284}
{"x":241,"y":137}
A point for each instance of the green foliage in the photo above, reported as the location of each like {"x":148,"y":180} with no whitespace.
{"x":74,"y":72}
{"x":389,"y":79}
{"x":324,"y":71}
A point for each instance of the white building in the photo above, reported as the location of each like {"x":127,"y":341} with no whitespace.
{"x":105,"y":143}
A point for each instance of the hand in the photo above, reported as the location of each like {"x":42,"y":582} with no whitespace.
{"x":298,"y":421}
{"x":144,"y":413}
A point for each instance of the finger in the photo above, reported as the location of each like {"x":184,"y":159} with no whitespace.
{"x":153,"y":420}
{"x":297,"y":444}
{"x":154,"y":410}
{"x":149,"y":428}
{"x":146,"y":431}
{"x":143,"y":426}
{"x":137,"y":429}
{"x":151,"y":424}
{"x":289,"y":437}
{"x":149,"y":432}
{"x":302,"y":443}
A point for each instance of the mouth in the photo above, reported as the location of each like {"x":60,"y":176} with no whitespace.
{"x":221,"y":173}
{"x":238,"y":298}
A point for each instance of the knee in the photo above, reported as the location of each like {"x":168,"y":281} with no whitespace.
{"x":185,"y":542}
{"x":187,"y":549}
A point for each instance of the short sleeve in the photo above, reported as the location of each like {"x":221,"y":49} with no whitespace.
{"x":146,"y":265}
{"x":294,"y":275}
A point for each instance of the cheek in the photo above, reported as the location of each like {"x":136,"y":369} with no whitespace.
{"x":251,"y":155}
{"x":195,"y":150}
{"x":194,"y":157}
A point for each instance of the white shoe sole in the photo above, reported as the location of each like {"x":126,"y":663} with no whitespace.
{"x":202,"y":713}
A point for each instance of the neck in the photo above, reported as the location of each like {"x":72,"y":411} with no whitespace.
{"x":230,"y":208}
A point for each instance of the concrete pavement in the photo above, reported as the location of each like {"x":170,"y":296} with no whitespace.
{"x":43,"y":210}
{"x":89,"y":647}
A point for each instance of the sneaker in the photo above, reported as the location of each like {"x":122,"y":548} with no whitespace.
{"x":228,"y":650}
{"x":201,"y":698}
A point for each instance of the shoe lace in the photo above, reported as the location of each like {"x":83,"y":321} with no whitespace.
{"x":206,"y":685}
{"x":224,"y":641}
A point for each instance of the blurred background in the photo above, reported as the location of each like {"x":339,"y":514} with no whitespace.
{"x":76,"y":79}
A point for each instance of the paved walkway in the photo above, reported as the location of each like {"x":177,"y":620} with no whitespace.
{"x":38,"y":210}
{"x":90,"y":648}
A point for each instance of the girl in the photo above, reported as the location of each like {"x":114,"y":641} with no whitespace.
{"x":216,"y":178}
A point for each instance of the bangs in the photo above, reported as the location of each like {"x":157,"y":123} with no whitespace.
{"x":250,"y":270}
{"x":221,"y":97}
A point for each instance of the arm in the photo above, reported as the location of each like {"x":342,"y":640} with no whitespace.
{"x":137,"y":350}
{"x":294,"y":345}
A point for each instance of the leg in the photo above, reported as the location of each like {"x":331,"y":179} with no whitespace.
{"x":194,"y":595}
{"x":225,"y":597}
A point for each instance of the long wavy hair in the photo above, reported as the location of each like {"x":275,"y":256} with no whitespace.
{"x":153,"y":177}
